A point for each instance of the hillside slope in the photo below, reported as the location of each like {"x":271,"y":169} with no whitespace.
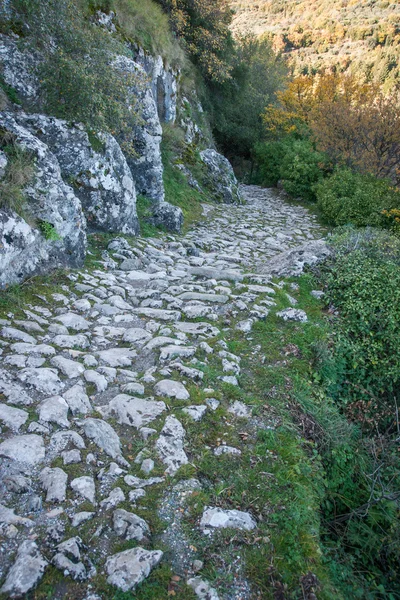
{"x":349,"y":34}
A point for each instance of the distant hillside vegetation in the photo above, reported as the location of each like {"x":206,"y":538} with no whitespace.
{"x":356,"y":35}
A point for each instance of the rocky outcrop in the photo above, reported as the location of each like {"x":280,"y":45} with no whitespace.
{"x":52,"y":211}
{"x":294,"y":261}
{"x":221,"y":177}
{"x":101,"y":177}
{"x":18,"y":68}
{"x":164,"y":85}
{"x":145,"y":162}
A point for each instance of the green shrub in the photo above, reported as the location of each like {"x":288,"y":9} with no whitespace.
{"x":295,"y":162}
{"x":144,"y":22}
{"x":301,"y":168}
{"x":269,"y":156}
{"x":78,"y":79}
{"x":349,"y":197}
{"x":363,"y":283}
{"x":19,"y":173}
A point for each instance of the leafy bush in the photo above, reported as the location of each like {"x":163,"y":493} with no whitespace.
{"x":293,"y":161}
{"x":79,"y":81}
{"x":143,"y":22}
{"x":363,"y":284}
{"x":19,"y":172}
{"x":349,"y":197}
{"x":301,"y":168}
{"x":269,"y":156}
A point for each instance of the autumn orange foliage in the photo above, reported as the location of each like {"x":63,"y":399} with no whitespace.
{"x":355,"y":123}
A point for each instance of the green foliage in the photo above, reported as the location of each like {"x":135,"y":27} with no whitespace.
{"x":301,"y":168}
{"x":48,"y":231}
{"x":9,"y":91}
{"x":295,"y":162}
{"x":349,"y":197}
{"x":79,"y":82}
{"x":236,"y":105}
{"x":20,"y":171}
{"x":269,"y":156}
{"x":143,"y":22}
{"x":365,"y":287}
{"x":177,"y":189}
{"x":145,"y":213}
{"x":203,"y":27}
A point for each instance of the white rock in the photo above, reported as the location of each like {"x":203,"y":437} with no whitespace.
{"x":97,"y":379}
{"x":71,"y":341}
{"x":293,"y":314}
{"x":195,"y":412}
{"x":12,"y":417}
{"x":217,"y":518}
{"x":73,"y":321}
{"x":27,"y":449}
{"x":202,"y":589}
{"x":54,"y":410}
{"x":240,"y":410}
{"x":69,"y":368}
{"x":85,"y":487}
{"x":115,"y":497}
{"x":117,"y":357}
{"x":130,"y":526}
{"x":170,"y":445}
{"x":226,"y":450}
{"x":171,"y":389}
{"x":54,"y":481}
{"x":81,"y":517}
{"x":26,"y":571}
{"x":104,"y":436}
{"x":77,"y":400}
{"x":135,"y":412}
{"x":43,"y":380}
{"x":127,"y":569}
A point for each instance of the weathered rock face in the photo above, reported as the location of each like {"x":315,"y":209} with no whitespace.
{"x":102,"y":179}
{"x":146,"y":167}
{"x":164,"y":85}
{"x":24,"y":251}
{"x":221,"y":176}
{"x":18,"y":68}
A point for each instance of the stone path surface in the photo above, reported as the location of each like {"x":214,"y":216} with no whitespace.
{"x":96,"y":386}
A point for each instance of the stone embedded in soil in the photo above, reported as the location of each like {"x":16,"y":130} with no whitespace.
{"x":130,"y":526}
{"x":195,"y":412}
{"x":135,"y":412}
{"x":104,"y":436}
{"x":54,"y":410}
{"x":85,"y":487}
{"x":26,"y":572}
{"x":217,"y":518}
{"x":170,"y":445}
{"x":127,"y":569}
{"x":171,"y":389}
{"x":54,"y":482}
{"x":293,"y":314}
{"x":202,"y":589}
{"x":240,"y":410}
{"x":77,"y":400}
{"x":12,"y":417}
{"x":43,"y":380}
{"x":27,"y":449}
{"x":227,"y":450}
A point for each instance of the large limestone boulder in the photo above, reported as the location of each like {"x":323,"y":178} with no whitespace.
{"x":164,"y":84}
{"x":146,"y":161}
{"x":24,"y":249}
{"x":100,"y":174}
{"x":221,"y":177}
